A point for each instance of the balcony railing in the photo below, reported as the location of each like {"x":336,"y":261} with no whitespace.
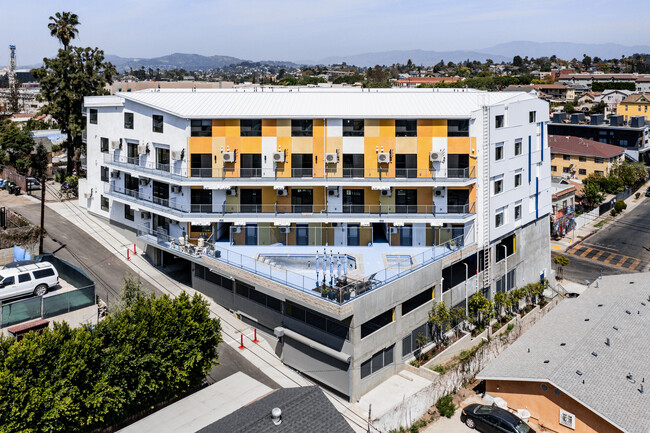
{"x":408,"y":174}
{"x":338,"y":287}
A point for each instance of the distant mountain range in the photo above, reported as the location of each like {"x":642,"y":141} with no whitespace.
{"x":498,"y":53}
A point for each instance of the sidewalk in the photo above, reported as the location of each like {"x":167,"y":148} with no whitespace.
{"x":576,"y":236}
{"x":261,"y":355}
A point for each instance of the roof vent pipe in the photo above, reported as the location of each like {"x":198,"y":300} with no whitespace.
{"x":276,"y":416}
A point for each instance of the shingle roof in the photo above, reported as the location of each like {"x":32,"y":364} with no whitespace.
{"x":314,"y":103}
{"x":566,"y":339}
{"x":637,"y":98}
{"x":570,"y":145}
{"x":303,"y":410}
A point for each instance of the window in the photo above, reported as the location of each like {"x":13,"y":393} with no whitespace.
{"x":498,"y":152}
{"x":201,"y":128}
{"x":338,"y":329}
{"x":517,"y":212}
{"x":417,"y":301}
{"x":458,"y":128}
{"x":626,"y":108}
{"x":498,"y":219}
{"x":554,"y":168}
{"x":302,"y":128}
{"x":250,"y":127}
{"x":566,"y":169}
{"x":353,"y":164}
{"x":251,"y":165}
{"x":353,"y":127}
{"x":23,"y":278}
{"x":376,"y":323}
{"x":128,"y":120}
{"x":406,"y":165}
{"x":406,"y":128}
{"x":566,"y":157}
{"x":378,"y":361}
{"x":93,"y":116}
{"x":129,"y":213}
{"x":410,"y":344}
{"x":249,"y":292}
{"x":582,"y":171}
{"x":498,"y":186}
{"x":104,"y":174}
{"x":157,"y":123}
{"x":9,"y":281}
{"x":532,"y":116}
{"x":43,"y":273}
{"x":201,"y":164}
{"x":103,"y":144}
{"x":302,"y":164}
{"x":599,"y":172}
{"x":104,"y":203}
{"x":582,"y":158}
{"x":518,"y":147}
{"x":498,"y":121}
{"x":517,"y":180}
{"x":598,"y":160}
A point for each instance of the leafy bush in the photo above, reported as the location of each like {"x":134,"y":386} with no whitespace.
{"x":613,"y":212}
{"x":446,"y":407}
{"x":637,"y":195}
{"x":56,"y":148}
{"x":440,"y":369}
{"x":620,"y":206}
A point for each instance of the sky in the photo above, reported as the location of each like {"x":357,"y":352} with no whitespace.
{"x":302,"y":30}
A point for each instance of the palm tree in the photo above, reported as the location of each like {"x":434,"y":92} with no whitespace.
{"x":64,"y":27}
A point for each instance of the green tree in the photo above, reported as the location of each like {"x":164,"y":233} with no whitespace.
{"x":439,"y":319}
{"x":421,"y":341}
{"x":629,"y":172}
{"x":63,"y":26}
{"x":599,"y":107}
{"x":569,"y":107}
{"x":65,"y":80}
{"x":376,"y":74}
{"x":132,"y":290}
{"x":458,"y":316}
{"x":593,"y":196}
{"x":481,"y":308}
{"x":16,"y":144}
{"x":517,"y":61}
{"x":560,"y":262}
{"x":500,"y":301}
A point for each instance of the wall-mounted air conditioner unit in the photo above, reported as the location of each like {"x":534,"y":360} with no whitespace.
{"x":236,"y":230}
{"x":440,"y":191}
{"x":176,"y":189}
{"x":383,"y":157}
{"x":115,"y":174}
{"x":282,"y":192}
{"x":435,"y":156}
{"x":334,"y":224}
{"x":116,"y":144}
{"x":278,"y":156}
{"x":87,"y":195}
{"x":144,"y":181}
{"x":231,"y":192}
{"x":228,"y":157}
{"x":285,"y":230}
{"x":386,"y":193}
{"x":145,"y":215}
{"x":173,"y":222}
{"x":177,"y":155}
{"x":332,"y":191}
{"x":393,"y":230}
{"x":143,"y":149}
{"x":331,"y":158}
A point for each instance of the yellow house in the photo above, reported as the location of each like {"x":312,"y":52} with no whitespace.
{"x":577,"y":158}
{"x":634,"y":105}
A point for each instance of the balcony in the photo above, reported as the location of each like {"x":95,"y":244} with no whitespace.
{"x":327,"y":278}
{"x":299,"y":212}
{"x":295,"y":176}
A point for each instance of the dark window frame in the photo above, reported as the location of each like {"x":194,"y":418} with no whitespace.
{"x":406,"y":128}
{"x":103,"y":170}
{"x":157,"y":123}
{"x":129,"y":214}
{"x":128,"y":120}
{"x":499,"y":121}
{"x":103,"y":144}
{"x":458,"y":128}
{"x":200,"y":128}
{"x":92,"y":116}
{"x":302,"y":128}
{"x":250,"y":127}
{"x":353,"y":127}
{"x":105,"y":203}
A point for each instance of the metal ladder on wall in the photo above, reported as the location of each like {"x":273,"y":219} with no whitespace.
{"x":485,"y":180}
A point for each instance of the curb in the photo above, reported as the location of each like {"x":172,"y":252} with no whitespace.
{"x":577,"y":242}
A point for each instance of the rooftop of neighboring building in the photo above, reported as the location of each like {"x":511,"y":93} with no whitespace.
{"x":637,"y":98}
{"x":541,"y":86}
{"x":303,"y":409}
{"x":429,"y":80}
{"x":569,"y":145}
{"x":592,"y":348}
{"x":561,"y":188}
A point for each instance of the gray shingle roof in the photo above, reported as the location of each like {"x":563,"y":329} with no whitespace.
{"x":606,"y":389}
{"x":303,"y":410}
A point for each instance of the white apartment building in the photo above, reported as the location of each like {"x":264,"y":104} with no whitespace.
{"x":330,"y":218}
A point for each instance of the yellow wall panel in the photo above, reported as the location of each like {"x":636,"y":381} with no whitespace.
{"x":387,"y":128}
{"x":302,"y":145}
{"x":218,"y":128}
{"x":284,"y":168}
{"x":332,"y":145}
{"x":269,"y":128}
{"x":371,"y":128}
{"x":424,"y":146}
{"x":200,"y":145}
{"x":370,"y":156}
{"x":458,"y":145}
{"x":318,"y":148}
{"x":269,"y":196}
{"x":319,"y":199}
{"x":250,"y":145}
{"x":425,"y":127}
{"x":232,"y":128}
{"x":439,"y":128}
{"x":406,"y":144}
{"x":284,"y":127}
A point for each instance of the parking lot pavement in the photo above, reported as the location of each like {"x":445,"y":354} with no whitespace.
{"x":453,"y":424}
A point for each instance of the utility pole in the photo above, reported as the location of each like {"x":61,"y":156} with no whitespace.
{"x":40,"y":243}
{"x":14,"y":96}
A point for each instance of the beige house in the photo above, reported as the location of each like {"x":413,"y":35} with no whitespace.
{"x":577,"y":158}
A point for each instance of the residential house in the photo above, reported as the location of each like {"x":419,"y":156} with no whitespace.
{"x":582,"y":367}
{"x":612,"y":98}
{"x":634,"y":105}
{"x":577,"y":158}
{"x":551,"y":92}
{"x":329,"y":217}
{"x":563,"y":202}
{"x":411,"y":82}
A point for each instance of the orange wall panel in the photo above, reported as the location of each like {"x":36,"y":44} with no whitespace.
{"x":458,"y":145}
{"x":269,"y":128}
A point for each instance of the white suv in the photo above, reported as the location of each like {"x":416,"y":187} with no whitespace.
{"x":27,"y":277}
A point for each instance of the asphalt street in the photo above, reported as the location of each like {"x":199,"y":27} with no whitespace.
{"x":621,"y":246}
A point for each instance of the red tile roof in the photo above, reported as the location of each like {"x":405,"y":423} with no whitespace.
{"x":569,"y":145}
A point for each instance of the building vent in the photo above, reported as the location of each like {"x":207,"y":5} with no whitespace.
{"x":176,"y":189}
{"x":435,"y":156}
{"x":177,"y":155}
{"x":282,"y":192}
{"x":383,"y":157}
{"x":228,"y":157}
{"x":559,"y":117}
{"x":386,"y":193}
{"x":115,"y":174}
{"x":597,"y":119}
{"x":145,"y":215}
{"x":231,"y":192}
{"x":637,"y":122}
{"x":616,"y":120}
{"x":278,"y":157}
{"x":331,"y":158}
{"x":285,"y":230}
{"x":144,"y":181}
{"x":333,"y":191}
{"x":276,"y":416}
{"x":236,"y":230}
{"x":116,"y":144}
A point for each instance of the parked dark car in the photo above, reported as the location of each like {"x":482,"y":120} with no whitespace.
{"x":492,"y":419}
{"x":647,"y":192}
{"x":33,"y":184}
